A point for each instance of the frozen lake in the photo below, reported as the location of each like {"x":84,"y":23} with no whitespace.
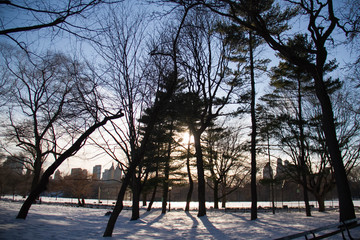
{"x":181,"y":205}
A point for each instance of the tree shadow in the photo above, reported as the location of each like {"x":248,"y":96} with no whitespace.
{"x":216,"y":233}
{"x":193,"y":231}
{"x":155,"y":220}
{"x":145,"y":214}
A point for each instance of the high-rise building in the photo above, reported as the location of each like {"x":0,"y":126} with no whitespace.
{"x":281,"y":168}
{"x":97,"y":172}
{"x":117,"y":173}
{"x":268,"y":171}
{"x":112,"y":173}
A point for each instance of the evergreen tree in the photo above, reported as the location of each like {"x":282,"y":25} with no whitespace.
{"x":269,"y":21}
{"x":292,"y":90}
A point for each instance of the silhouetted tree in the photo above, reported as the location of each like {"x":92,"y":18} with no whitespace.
{"x":206,"y":74}
{"x":268,"y":20}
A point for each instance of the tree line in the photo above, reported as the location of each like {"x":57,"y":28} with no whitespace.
{"x":194,"y":68}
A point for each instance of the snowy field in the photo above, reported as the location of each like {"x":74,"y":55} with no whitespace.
{"x":64,"y":222}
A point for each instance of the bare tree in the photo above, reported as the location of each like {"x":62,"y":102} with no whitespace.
{"x":42,"y":105}
{"x":63,"y":16}
{"x":56,"y":104}
{"x":123,"y":49}
{"x":79,"y":185}
{"x":207,"y":76}
{"x":70,"y":151}
{"x":225,"y":161}
{"x":165,"y":85}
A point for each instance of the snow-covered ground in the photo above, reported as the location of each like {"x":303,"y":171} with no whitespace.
{"x":64,"y":222}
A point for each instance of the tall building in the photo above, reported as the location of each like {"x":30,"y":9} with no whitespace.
{"x":118,"y":173}
{"x":97,"y":172}
{"x":281,"y":168}
{"x":268,"y":172}
{"x":112,"y":173}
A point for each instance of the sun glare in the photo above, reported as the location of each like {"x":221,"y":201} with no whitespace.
{"x":185,"y":136}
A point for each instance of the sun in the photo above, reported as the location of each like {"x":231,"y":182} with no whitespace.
{"x":184,"y":138}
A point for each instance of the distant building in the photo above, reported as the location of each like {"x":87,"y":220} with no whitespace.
{"x":118,"y":173}
{"x":15,"y":163}
{"x":78,"y":171}
{"x":268,"y":172}
{"x":97,"y":172}
{"x":281,"y":169}
{"x":57,"y":175}
{"x":112,"y":173}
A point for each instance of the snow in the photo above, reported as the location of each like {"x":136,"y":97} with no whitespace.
{"x":46,"y":221}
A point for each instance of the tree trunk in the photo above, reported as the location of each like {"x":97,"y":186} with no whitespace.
{"x":155,"y":189}
{"x":201,"y":175}
{"x":216,"y":194}
{"x":346,"y":205}
{"x":166,"y":183}
{"x":253,"y":134}
{"x":321,"y":201}
{"x":191,"y":182}
{"x":302,"y":153}
{"x":165,"y":195}
{"x":271,"y":174}
{"x":152,"y":198}
{"x":223,"y":199}
{"x":118,"y":206}
{"x":136,"y":190}
{"x":37,"y":171}
{"x":144,"y":202}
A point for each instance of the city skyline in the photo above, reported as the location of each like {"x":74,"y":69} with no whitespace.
{"x":112,"y":173}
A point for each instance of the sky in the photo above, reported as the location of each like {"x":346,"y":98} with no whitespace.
{"x":43,"y":40}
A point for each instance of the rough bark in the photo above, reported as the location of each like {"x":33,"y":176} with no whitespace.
{"x":223,"y":199}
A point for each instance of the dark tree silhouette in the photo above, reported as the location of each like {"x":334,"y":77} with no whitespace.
{"x":41,"y":186}
{"x":268,"y":24}
{"x":63,"y":16}
{"x":206,"y":73}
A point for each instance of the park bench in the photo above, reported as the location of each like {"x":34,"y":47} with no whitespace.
{"x":327,"y":231}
